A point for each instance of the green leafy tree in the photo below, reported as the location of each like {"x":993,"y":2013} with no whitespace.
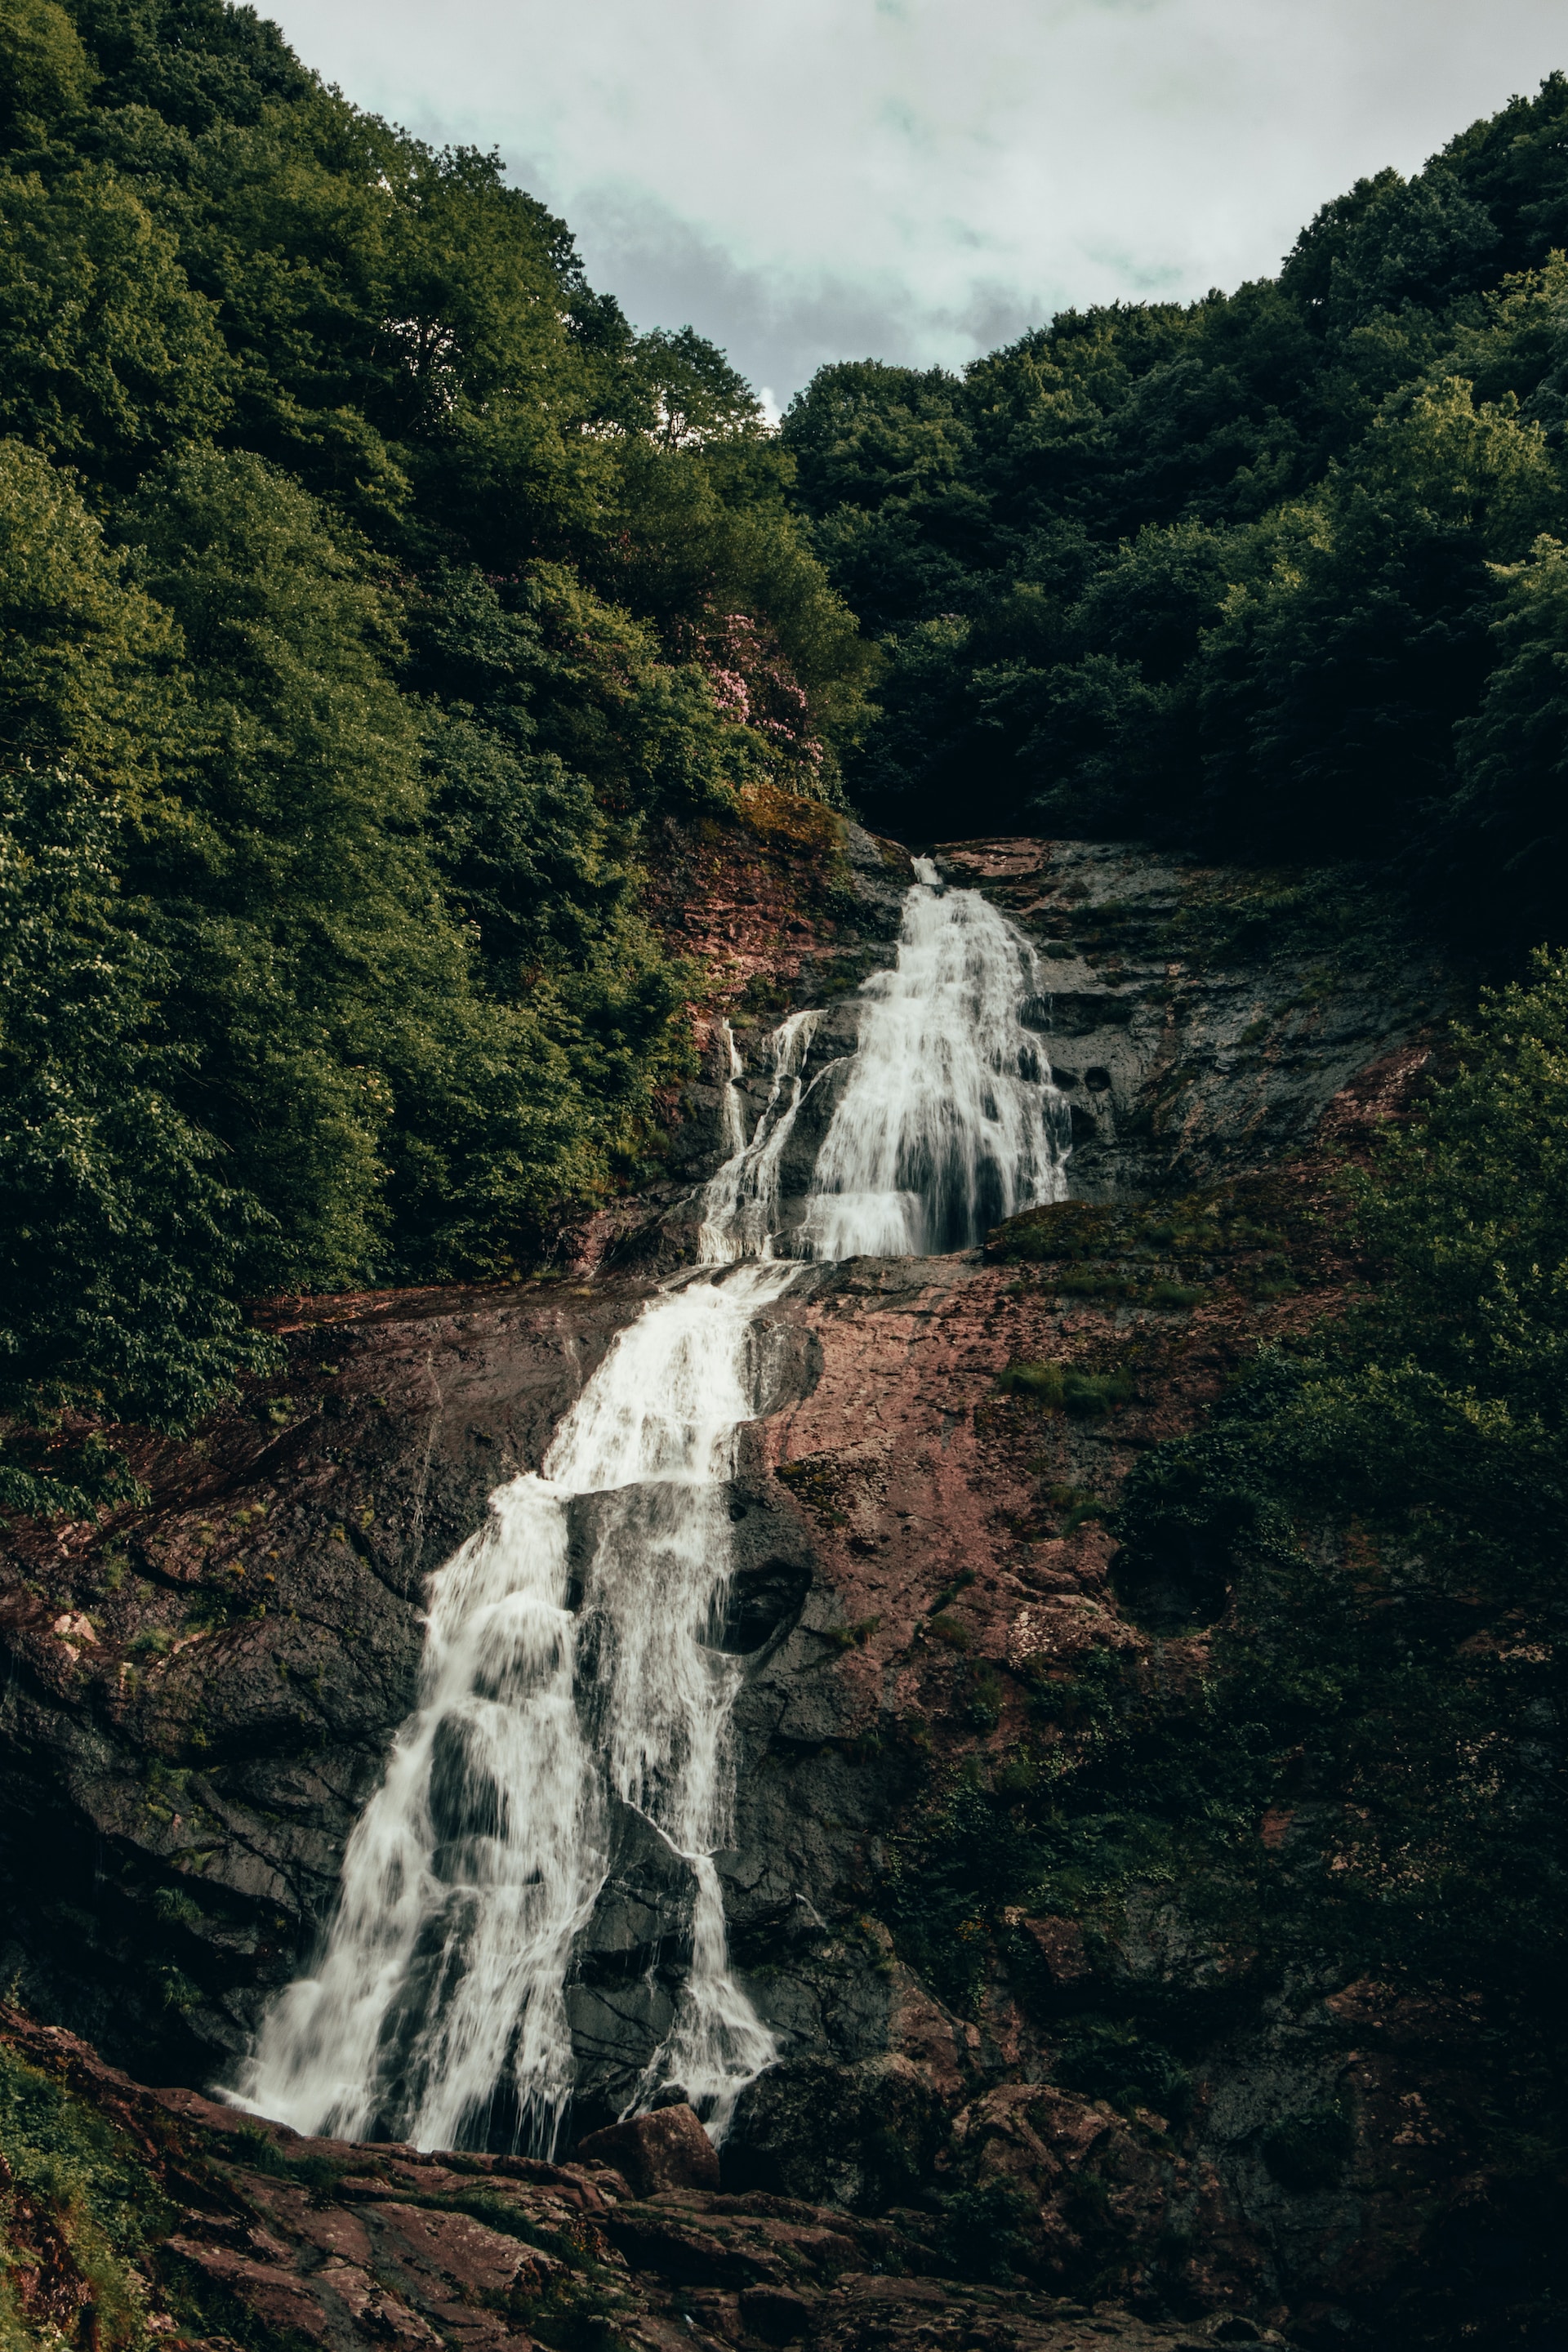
{"x":292,"y":888}
{"x":106,"y":353}
{"x":1016,"y":538}
{"x":48,"y":72}
{"x":121,"y":1243}
{"x":124,"y":1237}
{"x":1506,"y":823}
{"x":368,"y":591}
{"x":1332,"y":686}
{"x":89,"y":666}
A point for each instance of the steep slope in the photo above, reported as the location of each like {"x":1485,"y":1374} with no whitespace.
{"x":922,"y":1600}
{"x":156,"y":2216}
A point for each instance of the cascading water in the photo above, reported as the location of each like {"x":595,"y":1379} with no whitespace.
{"x":740,"y":1207}
{"x":475,"y":1868}
{"x":479,"y":1860}
{"x":948,"y":1121}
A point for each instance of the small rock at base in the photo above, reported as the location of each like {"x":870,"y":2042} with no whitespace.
{"x":665,"y":2149}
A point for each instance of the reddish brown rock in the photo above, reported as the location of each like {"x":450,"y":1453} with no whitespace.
{"x":202,"y":1692}
{"x":665,"y":2149}
{"x":1059,"y":1943}
{"x":1092,"y":2187}
{"x":927,"y":2038}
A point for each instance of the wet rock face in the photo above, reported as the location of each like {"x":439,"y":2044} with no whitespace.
{"x":779,"y":926}
{"x":199,"y":1697}
{"x":248,"y":2234}
{"x":1200,"y":1019}
{"x":180,"y":1767}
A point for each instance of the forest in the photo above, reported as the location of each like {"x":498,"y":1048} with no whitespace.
{"x":371,"y":596}
{"x":386,"y":625}
{"x":1275,"y":574}
{"x":374,"y":595}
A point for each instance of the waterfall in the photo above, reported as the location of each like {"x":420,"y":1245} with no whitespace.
{"x":479,"y":1860}
{"x":948,"y":1121}
{"x":734,"y":1122}
{"x":438,"y":2006}
{"x":740,"y":1207}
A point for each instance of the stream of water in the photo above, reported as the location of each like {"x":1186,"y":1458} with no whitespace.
{"x":477,"y":1865}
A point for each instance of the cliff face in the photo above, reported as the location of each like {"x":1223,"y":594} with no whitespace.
{"x":1201,"y":1019}
{"x":201,"y":1695}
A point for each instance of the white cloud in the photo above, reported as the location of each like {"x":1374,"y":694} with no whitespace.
{"x":812,"y":179}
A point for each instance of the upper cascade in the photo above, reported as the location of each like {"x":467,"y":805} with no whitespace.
{"x":947,"y":1120}
{"x":440,"y":2007}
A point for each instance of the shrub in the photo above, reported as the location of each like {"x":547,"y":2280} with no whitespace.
{"x":1063,"y":1388}
{"x":979,"y":2232}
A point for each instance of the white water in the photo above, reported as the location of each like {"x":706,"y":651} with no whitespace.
{"x":480,"y":1857}
{"x":740,"y":1206}
{"x":734,"y":1123}
{"x":949,"y":1121}
{"x":439,"y":1999}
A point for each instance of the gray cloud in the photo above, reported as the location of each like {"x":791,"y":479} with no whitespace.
{"x":777,"y":327}
{"x":922,"y":178}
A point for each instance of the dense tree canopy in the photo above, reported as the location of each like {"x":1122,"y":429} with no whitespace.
{"x":1272,"y":573}
{"x":366,"y":588}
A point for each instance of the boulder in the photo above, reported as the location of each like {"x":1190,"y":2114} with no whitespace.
{"x":665,"y":2149}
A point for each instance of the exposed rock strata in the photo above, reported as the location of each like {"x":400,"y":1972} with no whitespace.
{"x":200,"y":1696}
{"x":1201,"y":1019}
{"x":259,"y":2237}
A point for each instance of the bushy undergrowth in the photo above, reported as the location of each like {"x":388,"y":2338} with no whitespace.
{"x":77,"y":2207}
{"x":1387,"y":1506}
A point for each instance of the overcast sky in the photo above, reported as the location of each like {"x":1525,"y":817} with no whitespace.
{"x":919,"y":180}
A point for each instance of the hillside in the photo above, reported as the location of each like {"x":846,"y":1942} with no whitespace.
{"x":782,"y":1227}
{"x":1277,"y":574}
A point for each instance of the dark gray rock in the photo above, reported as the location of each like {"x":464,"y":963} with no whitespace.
{"x":642,"y":1917}
{"x":1210,"y":1037}
{"x":861,"y":2134}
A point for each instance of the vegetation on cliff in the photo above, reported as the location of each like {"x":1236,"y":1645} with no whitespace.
{"x":1342,"y":1765}
{"x":367,"y":590}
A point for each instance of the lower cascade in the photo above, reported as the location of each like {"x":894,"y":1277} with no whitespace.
{"x":438,"y":2012}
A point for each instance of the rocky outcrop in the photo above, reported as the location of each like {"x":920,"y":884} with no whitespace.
{"x":1202,"y":1019}
{"x":199,"y":1696}
{"x":905,"y":1584}
{"x":793,"y":908}
{"x":200,"y":1693}
{"x":233,"y":2232}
